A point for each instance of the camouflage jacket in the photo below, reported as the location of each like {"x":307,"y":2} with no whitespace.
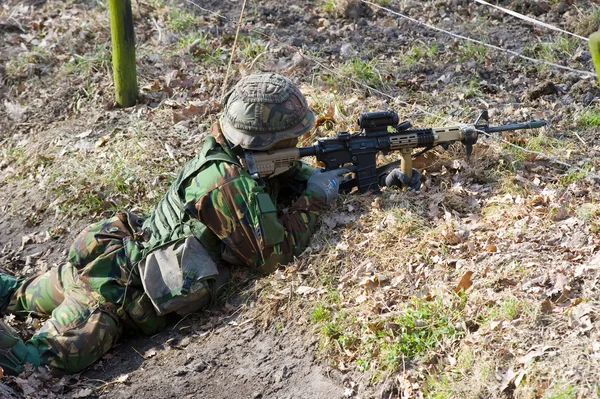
{"x":228,"y":210}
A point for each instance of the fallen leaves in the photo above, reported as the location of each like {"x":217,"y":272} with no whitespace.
{"x":524,"y":364}
{"x":465,"y":282}
{"x":15,"y":111}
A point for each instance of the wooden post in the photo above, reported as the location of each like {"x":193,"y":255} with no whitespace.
{"x":123,"y":52}
{"x":595,"y":50}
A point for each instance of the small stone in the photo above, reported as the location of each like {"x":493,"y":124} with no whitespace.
{"x":347,"y":50}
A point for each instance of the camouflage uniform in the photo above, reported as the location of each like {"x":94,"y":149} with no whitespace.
{"x":97,"y":295}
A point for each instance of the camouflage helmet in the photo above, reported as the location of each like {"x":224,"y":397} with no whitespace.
{"x":264,"y":109}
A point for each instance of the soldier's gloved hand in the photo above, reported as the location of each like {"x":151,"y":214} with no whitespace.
{"x":326,"y":183}
{"x":398,"y":178}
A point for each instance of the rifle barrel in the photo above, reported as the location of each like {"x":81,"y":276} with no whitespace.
{"x":307,"y":151}
{"x":516,"y":126}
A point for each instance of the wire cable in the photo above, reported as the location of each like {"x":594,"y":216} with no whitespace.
{"x":534,"y":60}
{"x":532,"y":20}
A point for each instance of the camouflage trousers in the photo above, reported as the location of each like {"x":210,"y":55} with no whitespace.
{"x":91,"y":300}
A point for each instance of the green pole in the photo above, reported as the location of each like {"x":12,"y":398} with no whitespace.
{"x":595,"y":50}
{"x":123,"y":52}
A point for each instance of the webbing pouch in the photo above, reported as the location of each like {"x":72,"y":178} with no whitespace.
{"x":272,"y":230}
{"x":179,"y":277}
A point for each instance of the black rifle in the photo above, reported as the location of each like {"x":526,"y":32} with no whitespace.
{"x":379,"y":132}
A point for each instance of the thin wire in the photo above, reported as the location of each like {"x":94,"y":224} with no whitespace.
{"x":586,"y":73}
{"x":548,"y":157}
{"x":414,"y":106}
{"x":207,"y":10}
{"x":532,"y":20}
{"x":237,"y":33}
{"x":374,"y":90}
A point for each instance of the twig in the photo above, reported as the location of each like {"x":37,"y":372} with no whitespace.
{"x":244,"y":322}
{"x":136,"y":351}
{"x":255,"y":59}
{"x":580,"y":139}
{"x":182,"y":319}
{"x":158,"y":29}
{"x":237,"y":32}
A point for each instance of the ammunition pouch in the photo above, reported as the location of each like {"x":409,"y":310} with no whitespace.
{"x":180,"y":277}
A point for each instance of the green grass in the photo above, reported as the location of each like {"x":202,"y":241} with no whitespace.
{"x":35,"y":62}
{"x":328,"y":6}
{"x":320,"y":313}
{"x":418,"y":52}
{"x":588,"y":212}
{"x":91,"y":185}
{"x":509,"y":309}
{"x":590,"y":118}
{"x":364,"y":71}
{"x":514,"y":157}
{"x":181,"y":20}
{"x":561,"y":392}
{"x":472,"y":51}
{"x":470,"y":377}
{"x":249,"y":47}
{"x":571,"y":177}
{"x":383,"y":342}
{"x":553,"y":51}
{"x":474,"y":89}
{"x":589,"y":22}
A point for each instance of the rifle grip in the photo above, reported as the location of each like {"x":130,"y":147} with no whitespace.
{"x":406,"y":162}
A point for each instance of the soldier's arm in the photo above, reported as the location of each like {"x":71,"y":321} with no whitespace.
{"x":243,"y":216}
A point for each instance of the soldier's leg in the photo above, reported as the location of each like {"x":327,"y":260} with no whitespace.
{"x":8,"y":285}
{"x":79,"y":333}
{"x":37,"y":295}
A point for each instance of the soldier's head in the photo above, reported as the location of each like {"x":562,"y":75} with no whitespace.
{"x":265,"y":111}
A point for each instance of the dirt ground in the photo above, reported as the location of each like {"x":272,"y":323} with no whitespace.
{"x":526,"y":226}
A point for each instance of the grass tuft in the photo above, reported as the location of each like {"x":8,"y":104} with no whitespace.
{"x":590,"y":118}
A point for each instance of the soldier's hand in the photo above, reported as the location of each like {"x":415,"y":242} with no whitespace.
{"x":400,"y":179}
{"x":326,"y":183}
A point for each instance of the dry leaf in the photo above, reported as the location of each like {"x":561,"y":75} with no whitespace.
{"x":84,"y":393}
{"x":547,"y":306}
{"x":465,"y":282}
{"x":27,"y":388}
{"x":278,"y":275}
{"x":152,"y":87}
{"x":508,"y":379}
{"x":342,"y":246}
{"x":376,"y":204}
{"x":326,"y":117}
{"x":527,"y":359}
{"x":15,"y":111}
{"x":101,"y":141}
{"x":561,"y":282}
{"x":374,"y":281}
{"x":84,"y":134}
{"x":520,"y":377}
{"x":305,"y":290}
{"x":169,"y":151}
